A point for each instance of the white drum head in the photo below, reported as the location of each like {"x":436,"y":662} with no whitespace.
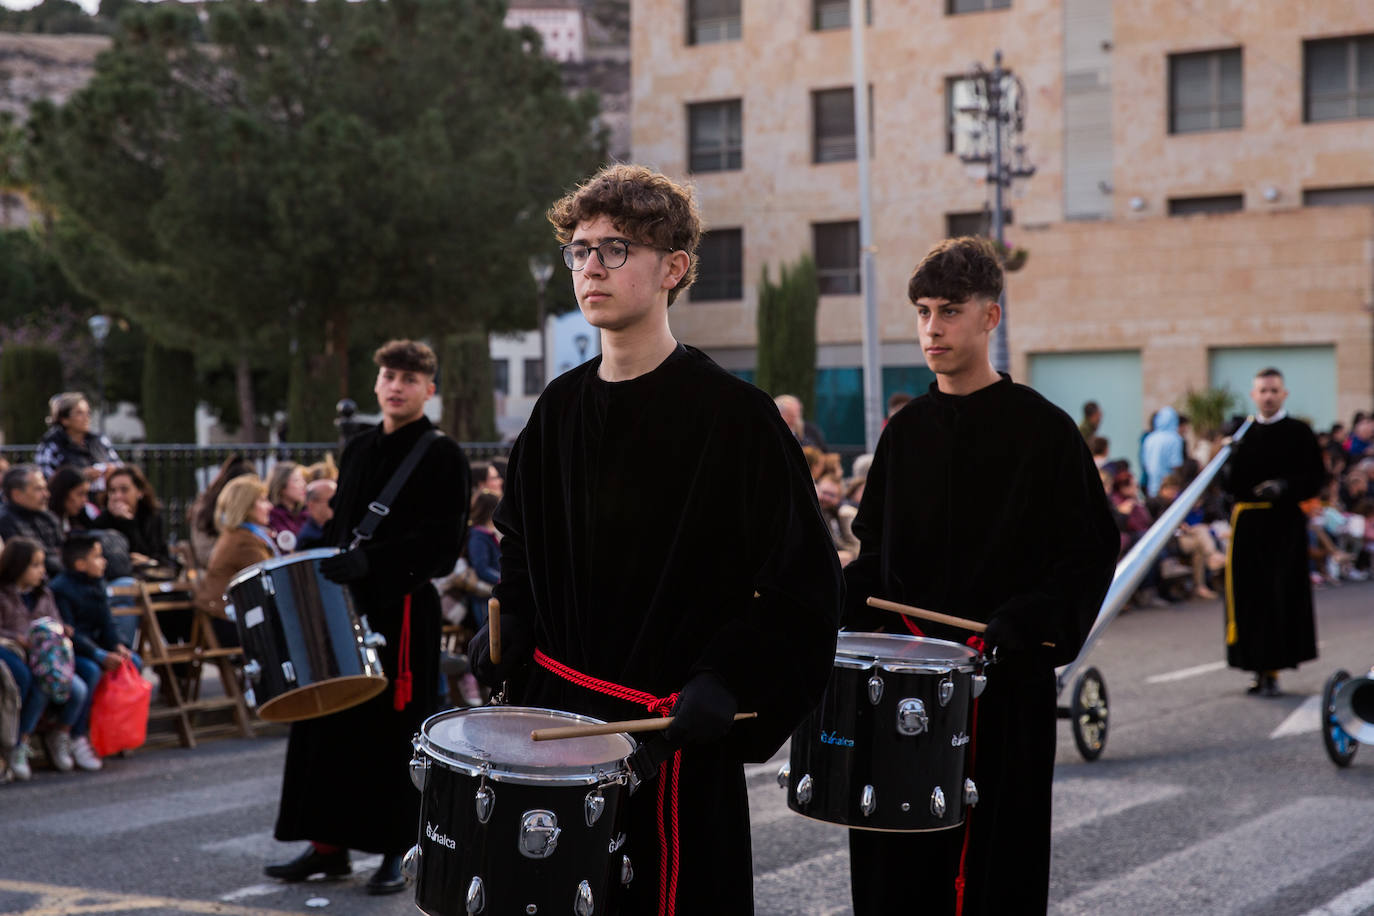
{"x":497,"y":739}
{"x":904,"y":653}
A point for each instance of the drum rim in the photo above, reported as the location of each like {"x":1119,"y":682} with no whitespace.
{"x":904,"y":665}
{"x":262,"y":566}
{"x":590,"y":775}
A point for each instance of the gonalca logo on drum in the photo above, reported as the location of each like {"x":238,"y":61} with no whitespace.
{"x":958,"y":740}
{"x":438,"y":837}
{"x":836,"y":739}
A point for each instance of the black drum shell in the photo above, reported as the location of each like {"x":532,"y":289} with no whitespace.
{"x":305,"y":636}
{"x":902,"y":769}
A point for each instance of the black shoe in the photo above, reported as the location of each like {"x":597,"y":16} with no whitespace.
{"x":311,"y":862}
{"x":1256,"y":688}
{"x":387,"y":879}
{"x":1271,"y":686}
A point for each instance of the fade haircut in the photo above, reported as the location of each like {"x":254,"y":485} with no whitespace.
{"x":1269,"y":372}
{"x":958,"y":270}
{"x":650,"y":208}
{"x":77,"y":546}
{"x":406,"y":356}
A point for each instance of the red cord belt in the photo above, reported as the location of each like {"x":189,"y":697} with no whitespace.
{"x":667,"y":783}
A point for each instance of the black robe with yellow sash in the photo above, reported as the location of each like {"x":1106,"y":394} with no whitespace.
{"x":1269,"y":622}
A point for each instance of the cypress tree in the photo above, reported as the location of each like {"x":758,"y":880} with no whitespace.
{"x":169,"y":395}
{"x":787,"y":332}
{"x":29,"y":375}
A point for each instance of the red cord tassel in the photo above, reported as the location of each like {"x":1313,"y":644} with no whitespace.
{"x":404,"y":687}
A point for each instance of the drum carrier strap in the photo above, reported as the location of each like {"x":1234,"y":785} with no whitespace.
{"x":667,"y":843}
{"x":377,"y":510}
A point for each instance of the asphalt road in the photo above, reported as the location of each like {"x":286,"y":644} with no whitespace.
{"x":1206,"y":801}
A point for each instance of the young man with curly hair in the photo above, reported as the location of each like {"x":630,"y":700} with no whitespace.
{"x":982,"y":502}
{"x":662,"y":540}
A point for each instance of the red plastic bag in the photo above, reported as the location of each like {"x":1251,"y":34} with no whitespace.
{"x":119,"y":712}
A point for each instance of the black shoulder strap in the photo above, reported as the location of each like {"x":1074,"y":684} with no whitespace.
{"x":380,"y":507}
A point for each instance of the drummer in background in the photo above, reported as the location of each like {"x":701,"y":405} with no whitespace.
{"x":982,"y":502}
{"x":347,"y":783}
{"x":661,"y":540}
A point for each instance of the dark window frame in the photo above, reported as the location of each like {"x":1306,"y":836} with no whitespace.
{"x":1205,"y":203}
{"x":834,"y":274}
{"x":821,"y":9}
{"x":835,"y":147}
{"x":984,"y":215}
{"x":711,"y":29}
{"x":500,"y":375}
{"x":951,"y":115}
{"x":533,"y":381}
{"x":1354,"y":95}
{"x":715,"y":283}
{"x":729,"y":157}
{"x":1215,"y":108}
{"x":952,"y":7}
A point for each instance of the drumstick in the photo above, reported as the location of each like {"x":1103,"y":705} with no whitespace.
{"x":494,"y":615}
{"x":614,"y":728}
{"x":960,"y":622}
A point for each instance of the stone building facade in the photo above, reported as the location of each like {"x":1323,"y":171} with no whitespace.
{"x":1203,"y":196}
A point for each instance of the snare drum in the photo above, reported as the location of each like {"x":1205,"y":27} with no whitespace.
{"x":511,"y":825}
{"x":887,"y":748}
{"x":308,"y":652}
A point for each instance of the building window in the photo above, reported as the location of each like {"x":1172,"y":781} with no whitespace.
{"x":534,"y":376}
{"x":1338,"y":197}
{"x":712,"y":20}
{"x":837,"y":257}
{"x":834,"y":14}
{"x":1219,"y":203}
{"x":960,"y":93}
{"x":720,"y":266}
{"x":1338,"y":78}
{"x":500,"y":376}
{"x":954,"y":7}
{"x":1205,"y":91}
{"x":715,"y":136}
{"x":975,"y":222}
{"x":832,"y":125}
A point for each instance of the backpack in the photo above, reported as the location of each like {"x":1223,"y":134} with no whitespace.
{"x":51,"y":658}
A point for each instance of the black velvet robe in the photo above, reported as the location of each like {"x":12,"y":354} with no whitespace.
{"x":980,"y":506}
{"x":347,"y":780}
{"x":660,"y":527}
{"x":1269,"y":621}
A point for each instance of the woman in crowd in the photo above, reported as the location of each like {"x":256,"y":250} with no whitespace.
{"x":202,"y":512}
{"x":286,"y":492}
{"x":489,"y":477}
{"x":132,"y":509}
{"x":483,"y":551}
{"x":68,"y":499}
{"x":244,"y":539}
{"x":23,"y":599}
{"x":69,"y":440}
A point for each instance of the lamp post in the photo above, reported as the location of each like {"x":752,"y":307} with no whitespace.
{"x":541,"y":270}
{"x":996,"y":140}
{"x":100,"y":329}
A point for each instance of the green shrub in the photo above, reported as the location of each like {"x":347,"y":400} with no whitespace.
{"x":29,"y":375}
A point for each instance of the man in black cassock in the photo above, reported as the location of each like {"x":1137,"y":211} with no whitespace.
{"x":982,"y":502}
{"x":347,"y":781}
{"x":1276,"y":465}
{"x":661,"y":534}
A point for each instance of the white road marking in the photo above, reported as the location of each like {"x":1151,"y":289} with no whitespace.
{"x":1306,"y":718}
{"x":1351,"y":903}
{"x":1233,"y":872}
{"x":1185,"y":673}
{"x":136,"y":814}
{"x":253,"y":890}
{"x":1080,"y":801}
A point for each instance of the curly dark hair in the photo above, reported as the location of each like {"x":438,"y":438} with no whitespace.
{"x":407,"y":356}
{"x":958,"y":270}
{"x":650,"y":208}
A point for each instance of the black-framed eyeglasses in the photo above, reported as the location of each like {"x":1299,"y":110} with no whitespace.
{"x":612,"y":253}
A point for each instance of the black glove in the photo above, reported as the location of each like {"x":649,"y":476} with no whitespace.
{"x":517,"y":648}
{"x":1002,"y":633}
{"x":703,"y":711}
{"x":349,"y":566}
{"x":1271,"y":489}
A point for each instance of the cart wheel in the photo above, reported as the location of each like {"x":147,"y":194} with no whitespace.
{"x":1340,"y":747}
{"x":1088,"y":714}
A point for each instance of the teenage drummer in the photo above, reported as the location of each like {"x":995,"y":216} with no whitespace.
{"x":982,"y":502}
{"x":346,"y":784}
{"x":663,"y":550}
